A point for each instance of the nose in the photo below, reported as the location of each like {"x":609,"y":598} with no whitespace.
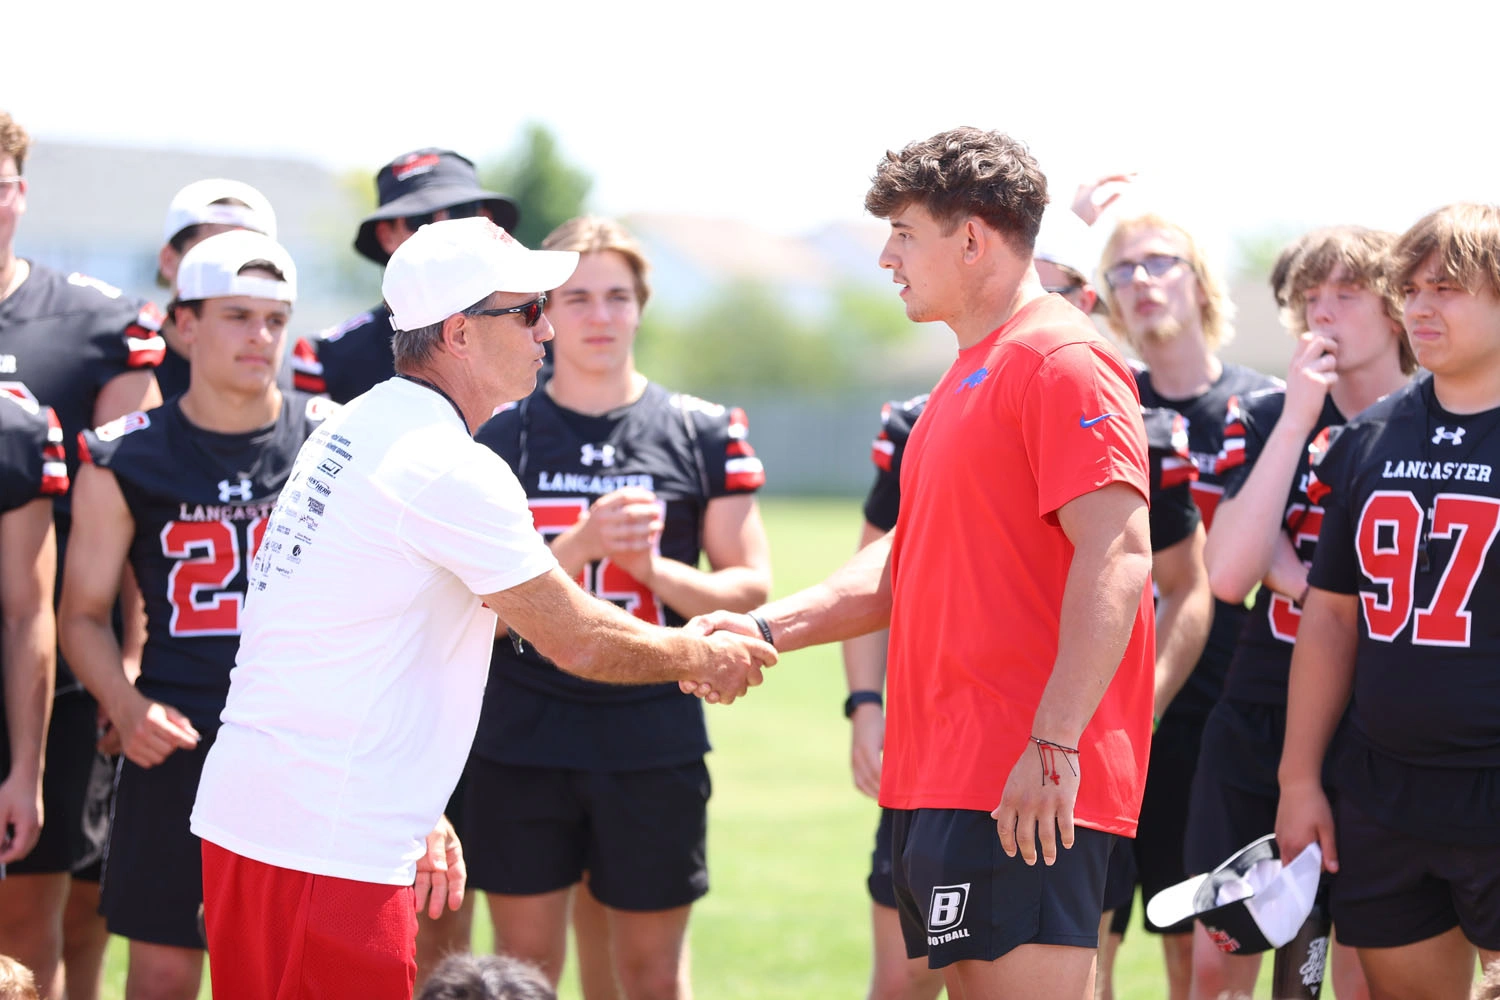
{"x":888,"y":258}
{"x":542,"y":332}
{"x":599,"y":310}
{"x":1321,"y":312}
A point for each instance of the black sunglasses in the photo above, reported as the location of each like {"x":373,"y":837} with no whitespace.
{"x":1067,"y":289}
{"x":532,"y":311}
{"x":1155,"y":265}
{"x":467,"y":210}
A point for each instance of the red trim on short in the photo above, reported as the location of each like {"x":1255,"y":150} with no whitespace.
{"x":84,"y":455}
{"x":278,"y":934}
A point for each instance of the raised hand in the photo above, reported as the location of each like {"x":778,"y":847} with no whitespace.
{"x":1035,"y":813}
{"x":441,"y":873}
{"x":628,"y":520}
{"x":1093,"y":197}
{"x":1308,"y":379}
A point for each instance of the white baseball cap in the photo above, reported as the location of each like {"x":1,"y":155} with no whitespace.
{"x":1066,"y":241}
{"x":194,"y":205}
{"x":445,"y":267}
{"x":211,"y":269}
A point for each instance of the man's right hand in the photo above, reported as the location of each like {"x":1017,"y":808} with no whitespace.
{"x":1308,"y":379}
{"x":736,"y":662}
{"x":150,"y":731}
{"x":1303,"y":817}
{"x":626,"y":520}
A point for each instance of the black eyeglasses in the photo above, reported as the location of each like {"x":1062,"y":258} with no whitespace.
{"x":532,"y":311}
{"x":1064,"y":289}
{"x":1156,"y":265}
{"x":467,"y":210}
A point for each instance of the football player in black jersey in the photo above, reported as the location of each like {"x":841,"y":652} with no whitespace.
{"x":182,"y":493}
{"x":1400,"y":626}
{"x":1172,"y":308}
{"x":32,"y":472}
{"x":414,"y":189}
{"x":202,"y":209}
{"x":632,"y":483}
{"x":85,"y":349}
{"x":1351,"y":352}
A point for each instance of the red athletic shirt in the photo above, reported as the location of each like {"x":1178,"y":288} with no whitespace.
{"x":1038,"y":413}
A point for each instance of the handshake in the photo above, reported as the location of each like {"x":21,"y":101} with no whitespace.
{"x":732,"y":662}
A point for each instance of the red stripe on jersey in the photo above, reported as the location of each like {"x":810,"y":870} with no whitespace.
{"x":739,"y":424}
{"x":1316,"y":488}
{"x":53,"y":449}
{"x":1176,"y":472}
{"x":147,"y":348}
{"x":83,"y":450}
{"x":308,"y":383}
{"x":744,"y":474}
{"x":307,"y":370}
{"x":1231,"y":455}
{"x":55,"y":484}
{"x":738,"y":449}
{"x":882,"y":451}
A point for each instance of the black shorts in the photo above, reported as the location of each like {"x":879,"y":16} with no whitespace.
{"x":1160,"y":837}
{"x":1394,"y":889}
{"x":961,"y":898}
{"x":641,"y":835}
{"x":75,"y":794}
{"x":1119,"y":885}
{"x":1235,"y":792}
{"x":882,"y":889}
{"x":153,"y":872}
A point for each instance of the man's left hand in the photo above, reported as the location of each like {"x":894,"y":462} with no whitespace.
{"x":1033,"y":810}
{"x":441,"y":875}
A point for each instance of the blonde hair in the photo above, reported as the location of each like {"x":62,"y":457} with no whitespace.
{"x":1218,"y":310}
{"x":591,"y":234}
{"x":1364,"y":254}
{"x":1465,"y":237}
{"x":16,"y":981}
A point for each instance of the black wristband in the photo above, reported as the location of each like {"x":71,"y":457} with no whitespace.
{"x":764,"y":626}
{"x":858,"y":698}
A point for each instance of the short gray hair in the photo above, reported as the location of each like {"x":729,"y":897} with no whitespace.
{"x":414,"y":348}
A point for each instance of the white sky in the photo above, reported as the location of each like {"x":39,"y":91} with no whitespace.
{"x":1247,"y":118}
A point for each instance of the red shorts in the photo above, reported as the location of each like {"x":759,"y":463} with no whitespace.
{"x":277,"y":934}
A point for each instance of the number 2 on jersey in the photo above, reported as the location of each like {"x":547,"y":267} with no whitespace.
{"x":1390,"y":529}
{"x":605,"y":580}
{"x":206,"y":558}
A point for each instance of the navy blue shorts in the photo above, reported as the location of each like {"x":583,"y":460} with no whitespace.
{"x":960,"y":898}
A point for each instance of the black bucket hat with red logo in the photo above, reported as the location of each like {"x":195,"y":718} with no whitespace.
{"x":426,"y":181}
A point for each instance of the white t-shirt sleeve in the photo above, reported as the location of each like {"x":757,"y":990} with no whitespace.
{"x":474,"y":522}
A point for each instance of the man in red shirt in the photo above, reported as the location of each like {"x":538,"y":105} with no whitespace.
{"x":1016,"y":587}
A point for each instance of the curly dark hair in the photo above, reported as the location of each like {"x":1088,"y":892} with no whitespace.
{"x":965,"y":172}
{"x":14,"y":141}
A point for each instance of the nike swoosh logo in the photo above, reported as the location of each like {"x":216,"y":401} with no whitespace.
{"x":1089,"y":423}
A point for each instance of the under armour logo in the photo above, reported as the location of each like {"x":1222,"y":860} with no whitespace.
{"x":1452,"y":437}
{"x":947,"y":908}
{"x":228,"y":492}
{"x":604,"y":454}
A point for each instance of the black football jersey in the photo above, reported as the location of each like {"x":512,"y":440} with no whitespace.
{"x":1204,"y":415}
{"x":31,"y":466}
{"x":1174,"y":515}
{"x":201,"y":501}
{"x":1411,"y":511}
{"x":346,"y":360}
{"x":687,"y":452}
{"x":63,"y":337}
{"x":1259,"y":669}
{"x":896,"y":421}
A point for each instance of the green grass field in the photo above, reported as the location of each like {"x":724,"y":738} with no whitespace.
{"x":790,"y":837}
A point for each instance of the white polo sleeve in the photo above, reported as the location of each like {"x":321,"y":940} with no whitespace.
{"x":474,"y":522}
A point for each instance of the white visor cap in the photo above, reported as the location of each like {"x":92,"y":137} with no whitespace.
{"x":211,"y":269}
{"x":194,"y":205}
{"x":445,"y":267}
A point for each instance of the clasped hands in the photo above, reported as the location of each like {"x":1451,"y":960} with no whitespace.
{"x":735,"y":661}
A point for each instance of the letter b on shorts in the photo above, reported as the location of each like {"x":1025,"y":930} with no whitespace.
{"x":947,"y":907}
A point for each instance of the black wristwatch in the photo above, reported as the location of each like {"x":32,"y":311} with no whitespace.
{"x":858,"y":698}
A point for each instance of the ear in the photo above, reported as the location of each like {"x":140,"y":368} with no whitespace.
{"x":1089,"y":297}
{"x":187,"y":328}
{"x":976,"y":240}
{"x":456,"y":333}
{"x":167,"y":261}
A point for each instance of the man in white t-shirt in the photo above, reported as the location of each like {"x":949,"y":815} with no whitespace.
{"x":366,"y":634}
